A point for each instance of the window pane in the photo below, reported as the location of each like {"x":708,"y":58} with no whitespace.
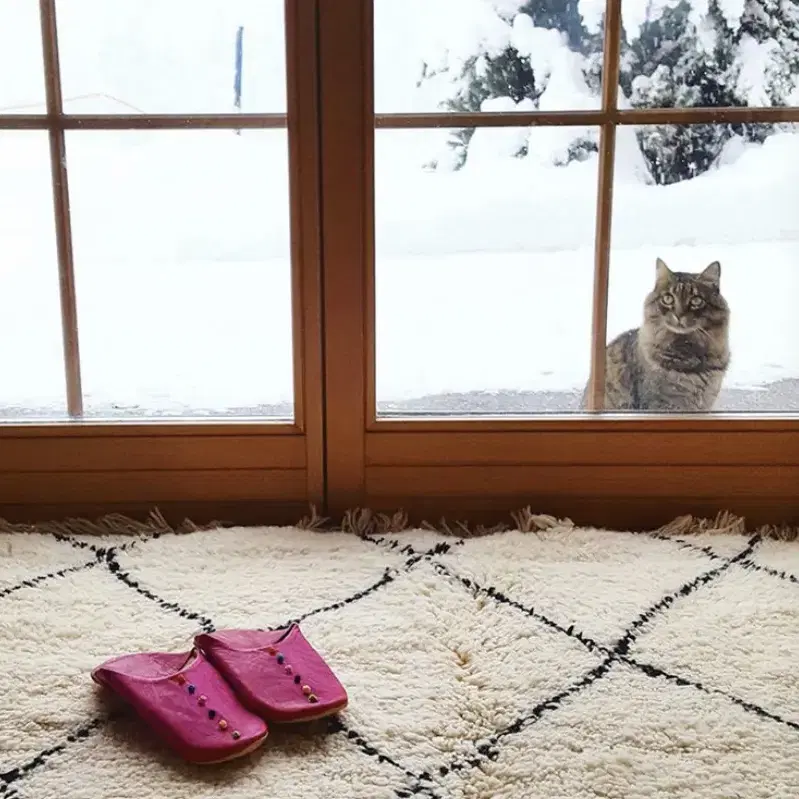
{"x":183,"y":271}
{"x":690,"y":53}
{"x":178,"y":56}
{"x":698,"y":196}
{"x":31,"y":360}
{"x":21,"y":57}
{"x":487,"y":55}
{"x":484,"y":269}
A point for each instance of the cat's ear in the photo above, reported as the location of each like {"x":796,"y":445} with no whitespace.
{"x":712,"y":274}
{"x":663,"y":274}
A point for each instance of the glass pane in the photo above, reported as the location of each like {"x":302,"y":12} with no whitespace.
{"x":21,"y":56}
{"x":183,"y":271}
{"x":31,"y":359}
{"x":484,"y":271}
{"x":172,"y":56}
{"x":487,"y":55}
{"x":722,"y":214}
{"x":689,"y":53}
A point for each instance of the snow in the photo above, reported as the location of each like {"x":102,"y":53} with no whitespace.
{"x":732,"y":10}
{"x":453,"y":32}
{"x":707,"y":34}
{"x":540,"y":45}
{"x":637,"y":12}
{"x":522,"y":321}
{"x":754,"y":60}
{"x":699,"y":12}
{"x":483,"y":277}
{"x":187,"y":309}
{"x":503,"y":283}
{"x":634,"y":13}
{"x":180,"y":67}
{"x":566,"y":86}
{"x":20,"y":55}
{"x":592,"y":12}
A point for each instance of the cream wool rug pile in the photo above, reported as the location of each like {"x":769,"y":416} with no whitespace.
{"x":563,"y":663}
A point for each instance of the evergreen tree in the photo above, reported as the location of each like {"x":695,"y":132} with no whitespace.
{"x":559,"y":15}
{"x":672,"y":64}
{"x":486,"y":76}
{"x":677,"y":59}
{"x":774,"y":24}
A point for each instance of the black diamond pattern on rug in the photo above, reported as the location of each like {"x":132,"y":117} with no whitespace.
{"x":572,"y":663}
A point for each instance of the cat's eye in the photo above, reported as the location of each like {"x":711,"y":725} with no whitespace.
{"x":697,"y":302}
{"x":667,"y":300}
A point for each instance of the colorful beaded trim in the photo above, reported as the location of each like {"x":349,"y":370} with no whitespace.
{"x":281,"y":659}
{"x":202,"y":701}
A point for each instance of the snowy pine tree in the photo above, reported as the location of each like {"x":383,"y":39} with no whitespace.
{"x":736,"y":53}
{"x":559,"y":15}
{"x":509,"y":72}
{"x":673,"y":62}
{"x":485,"y":77}
{"x":679,"y":53}
{"x":768,"y":52}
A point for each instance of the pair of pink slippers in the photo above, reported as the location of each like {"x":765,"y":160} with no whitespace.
{"x":212,"y":704}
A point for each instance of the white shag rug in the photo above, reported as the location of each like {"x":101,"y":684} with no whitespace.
{"x":566,"y":664}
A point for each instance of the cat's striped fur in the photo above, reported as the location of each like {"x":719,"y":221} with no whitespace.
{"x":676,"y":360}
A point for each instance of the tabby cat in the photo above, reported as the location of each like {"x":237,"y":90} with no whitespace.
{"x":676,"y":360}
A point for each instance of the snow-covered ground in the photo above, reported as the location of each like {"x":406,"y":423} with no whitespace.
{"x":496,"y":261}
{"x":484,"y":276}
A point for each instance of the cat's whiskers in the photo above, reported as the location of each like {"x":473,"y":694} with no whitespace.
{"x":676,"y":360}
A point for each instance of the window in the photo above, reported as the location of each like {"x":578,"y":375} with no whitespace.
{"x":175,"y":234}
{"x":388,"y":253}
{"x":484,"y":263}
{"x":159,"y":250}
{"x":488,"y":227}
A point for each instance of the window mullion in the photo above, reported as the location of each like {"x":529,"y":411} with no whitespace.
{"x":607,"y":155}
{"x":63,"y":229}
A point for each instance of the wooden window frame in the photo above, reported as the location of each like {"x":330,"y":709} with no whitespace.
{"x":242,"y":470}
{"x":595,"y":468}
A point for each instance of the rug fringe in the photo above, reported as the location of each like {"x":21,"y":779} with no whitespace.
{"x":726,"y":523}
{"x":111,"y":524}
{"x":313,"y":521}
{"x":364,"y":521}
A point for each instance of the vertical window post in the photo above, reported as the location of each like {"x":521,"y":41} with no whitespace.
{"x":63,"y":230}
{"x":607,"y":154}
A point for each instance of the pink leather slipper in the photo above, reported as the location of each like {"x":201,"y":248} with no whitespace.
{"x":186,"y":703}
{"x":276,"y":674}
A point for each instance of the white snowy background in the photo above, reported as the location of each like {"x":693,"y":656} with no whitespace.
{"x":484,"y":274}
